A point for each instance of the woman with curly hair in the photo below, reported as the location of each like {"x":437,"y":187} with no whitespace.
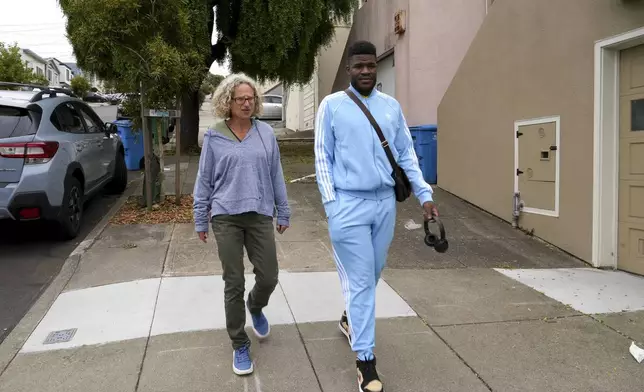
{"x":239,"y":186}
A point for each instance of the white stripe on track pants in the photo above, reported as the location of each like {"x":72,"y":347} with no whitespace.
{"x":361,"y":231}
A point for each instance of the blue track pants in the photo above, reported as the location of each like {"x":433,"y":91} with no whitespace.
{"x":361,"y":230}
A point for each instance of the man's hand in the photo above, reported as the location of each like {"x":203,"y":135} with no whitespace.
{"x":281,"y":228}
{"x":430,"y":210}
{"x":203,"y":236}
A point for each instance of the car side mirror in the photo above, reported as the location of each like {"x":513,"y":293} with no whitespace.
{"x":110,"y":128}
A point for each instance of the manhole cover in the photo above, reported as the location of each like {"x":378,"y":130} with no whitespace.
{"x":63,"y":336}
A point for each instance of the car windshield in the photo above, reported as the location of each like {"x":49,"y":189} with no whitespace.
{"x":14,"y":122}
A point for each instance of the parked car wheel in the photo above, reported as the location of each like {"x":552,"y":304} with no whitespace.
{"x":119,"y":181}
{"x":71,"y":214}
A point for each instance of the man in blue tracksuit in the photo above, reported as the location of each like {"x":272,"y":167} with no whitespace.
{"x":354,"y":178}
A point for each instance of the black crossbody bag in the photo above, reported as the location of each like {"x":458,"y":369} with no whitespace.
{"x":402,"y":187}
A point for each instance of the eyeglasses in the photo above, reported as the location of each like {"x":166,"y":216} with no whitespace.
{"x":242,"y":100}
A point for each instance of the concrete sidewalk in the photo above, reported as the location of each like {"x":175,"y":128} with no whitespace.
{"x":143,"y":311}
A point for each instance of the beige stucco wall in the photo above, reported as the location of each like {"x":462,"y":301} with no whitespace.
{"x":438,"y":34}
{"x":530,"y":59}
{"x":329,"y":60}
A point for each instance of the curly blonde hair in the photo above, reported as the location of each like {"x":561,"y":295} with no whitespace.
{"x":222,"y":98}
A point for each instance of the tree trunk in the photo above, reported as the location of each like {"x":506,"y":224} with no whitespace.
{"x":189,"y":120}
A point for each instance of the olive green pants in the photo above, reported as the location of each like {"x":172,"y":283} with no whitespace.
{"x":254,"y":232}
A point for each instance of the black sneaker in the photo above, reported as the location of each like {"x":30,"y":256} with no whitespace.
{"x":344,"y":326}
{"x":368,"y":380}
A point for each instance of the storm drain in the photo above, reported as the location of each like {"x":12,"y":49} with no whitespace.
{"x":62,"y":336}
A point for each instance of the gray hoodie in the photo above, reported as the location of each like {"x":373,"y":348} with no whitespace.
{"x":237,"y":177}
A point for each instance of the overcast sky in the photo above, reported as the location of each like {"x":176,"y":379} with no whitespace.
{"x":39,"y":25}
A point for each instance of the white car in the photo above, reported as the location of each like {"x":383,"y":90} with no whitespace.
{"x":272,"y":107}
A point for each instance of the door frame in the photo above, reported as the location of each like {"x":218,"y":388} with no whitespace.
{"x":536,"y":121}
{"x":606,"y":146}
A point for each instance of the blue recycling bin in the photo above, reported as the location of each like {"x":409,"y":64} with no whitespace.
{"x":132,"y":144}
{"x":425,"y":145}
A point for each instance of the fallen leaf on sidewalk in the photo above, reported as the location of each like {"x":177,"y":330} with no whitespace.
{"x":165,"y":212}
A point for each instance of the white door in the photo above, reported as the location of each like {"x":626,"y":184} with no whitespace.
{"x":387,"y":76}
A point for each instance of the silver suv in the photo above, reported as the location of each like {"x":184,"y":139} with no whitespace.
{"x":55,"y":153}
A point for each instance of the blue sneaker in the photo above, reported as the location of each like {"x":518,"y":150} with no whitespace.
{"x":261,"y":327}
{"x":242,"y":363}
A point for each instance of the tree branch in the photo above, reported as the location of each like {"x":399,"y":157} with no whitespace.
{"x":147,"y":68}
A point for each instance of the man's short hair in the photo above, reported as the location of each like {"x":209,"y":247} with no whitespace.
{"x":361,"y":47}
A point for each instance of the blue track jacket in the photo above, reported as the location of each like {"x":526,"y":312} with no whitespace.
{"x":348,"y":153}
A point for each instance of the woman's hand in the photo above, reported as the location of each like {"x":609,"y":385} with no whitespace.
{"x":281,"y":228}
{"x":203,"y":236}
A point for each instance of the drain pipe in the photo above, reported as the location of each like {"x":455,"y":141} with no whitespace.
{"x":517,"y":207}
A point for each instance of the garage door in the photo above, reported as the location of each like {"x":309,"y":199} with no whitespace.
{"x":631,"y":162}
{"x":387,"y":76}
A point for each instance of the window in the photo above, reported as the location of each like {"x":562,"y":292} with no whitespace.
{"x":15,"y":122}
{"x":637,"y":115}
{"x":67,"y":119}
{"x":94,"y":125}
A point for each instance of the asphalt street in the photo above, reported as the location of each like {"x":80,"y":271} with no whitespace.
{"x":31,"y":257}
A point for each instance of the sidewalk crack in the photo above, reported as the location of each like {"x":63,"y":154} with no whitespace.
{"x":147,"y":341}
{"x":600,"y":321}
{"x":446,"y":343}
{"x":299,"y":333}
{"x":167,"y":251}
{"x":154,"y":313}
{"x":518,"y":320}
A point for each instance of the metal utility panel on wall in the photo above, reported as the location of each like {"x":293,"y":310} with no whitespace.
{"x":537,"y":165}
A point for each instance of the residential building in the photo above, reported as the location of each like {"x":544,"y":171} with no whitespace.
{"x":302,"y":101}
{"x":271,"y":87}
{"x":64,"y":72}
{"x":55,"y":71}
{"x":548,"y":105}
{"x":34,"y":61}
{"x":52,"y":73}
{"x":420,"y":45}
{"x":93,"y":80}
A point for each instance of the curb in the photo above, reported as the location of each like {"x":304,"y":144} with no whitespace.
{"x":19,"y":335}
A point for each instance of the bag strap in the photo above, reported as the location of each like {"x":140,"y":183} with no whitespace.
{"x":383,"y":142}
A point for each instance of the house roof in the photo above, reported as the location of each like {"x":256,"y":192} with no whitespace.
{"x":273,"y":88}
{"x":59,"y":63}
{"x":34,"y":55}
